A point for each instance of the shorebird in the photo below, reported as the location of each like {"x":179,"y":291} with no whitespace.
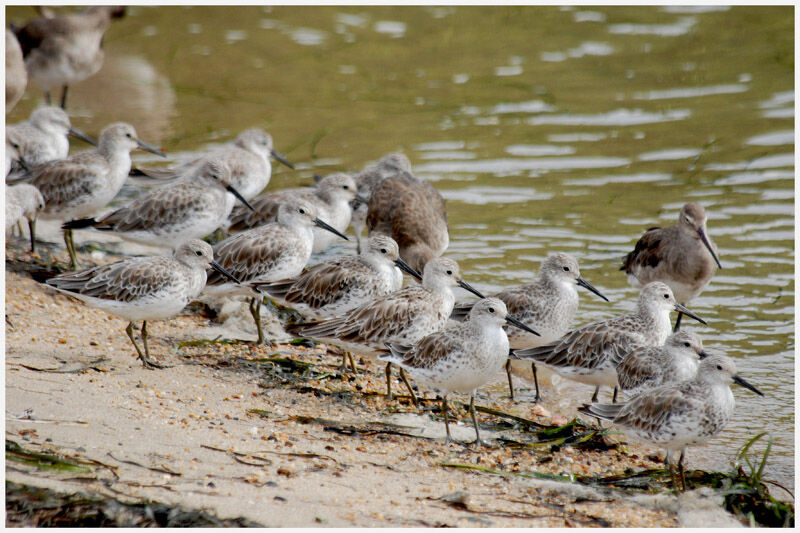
{"x":143,"y":288}
{"x":403,"y":317}
{"x":23,"y":201}
{"x":682,"y":256}
{"x":171,"y":215}
{"x":678,"y":415}
{"x":653,"y":366}
{"x":331,"y":197}
{"x":42,"y":138}
{"x":16,"y":75}
{"x":86,"y":182}
{"x":412,"y":211}
{"x":272,"y":252}
{"x":548,"y":304}
{"x":462,"y":357}
{"x":248,"y":158}
{"x":336,"y":286}
{"x":590,"y":353}
{"x":389,"y":166}
{"x":60,"y":50}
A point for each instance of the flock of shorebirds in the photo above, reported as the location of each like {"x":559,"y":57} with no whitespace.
{"x":676,"y":395}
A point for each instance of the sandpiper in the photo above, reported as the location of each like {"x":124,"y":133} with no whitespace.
{"x":143,"y":288}
{"x":60,"y":50}
{"x":678,"y":415}
{"x":412,"y":211}
{"x":23,"y":201}
{"x":403,"y":317}
{"x":272,"y":252}
{"x":682,"y":256}
{"x":83,"y":183}
{"x":653,"y":366}
{"x":42,"y":138}
{"x":590,"y":353}
{"x":16,"y":75}
{"x":248,"y":158}
{"x":338,"y":285}
{"x":462,"y":357}
{"x":389,"y":166}
{"x":548,"y":305}
{"x":331,"y":196}
{"x":175,"y":213}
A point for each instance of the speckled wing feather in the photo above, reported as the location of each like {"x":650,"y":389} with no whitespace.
{"x":61,"y":181}
{"x":586,"y":347}
{"x":645,"y":253}
{"x":163,"y":207}
{"x":518,"y":300}
{"x":427,"y":352}
{"x":247,"y":255}
{"x":636,"y":368}
{"x":650,"y":412}
{"x":265,"y":209}
{"x":123,"y":281}
{"x":320,"y":285}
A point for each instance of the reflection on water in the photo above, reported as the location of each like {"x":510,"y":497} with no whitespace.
{"x":572,"y":130}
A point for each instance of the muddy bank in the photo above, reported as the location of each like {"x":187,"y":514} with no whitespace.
{"x":277,"y":436}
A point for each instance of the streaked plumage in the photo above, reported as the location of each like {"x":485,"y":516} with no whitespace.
{"x":682,"y":414}
{"x":23,"y":201}
{"x":413,"y":212}
{"x":547,"y":305}
{"x":459,"y":358}
{"x":142,"y":288}
{"x":590,"y":353}
{"x":170,"y":215}
{"x":682,"y":256}
{"x":84,"y":183}
{"x":389,"y":166}
{"x":403,"y":317}
{"x":16,"y":75}
{"x":676,"y":360}
{"x":42,"y":138}
{"x":272,"y":252}
{"x":331,"y":196}
{"x":64,"y":49}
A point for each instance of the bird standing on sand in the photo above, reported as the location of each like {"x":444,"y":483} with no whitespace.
{"x":682,"y":256}
{"x":143,"y":288}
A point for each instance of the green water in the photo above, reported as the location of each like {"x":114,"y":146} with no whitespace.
{"x":545,"y":128}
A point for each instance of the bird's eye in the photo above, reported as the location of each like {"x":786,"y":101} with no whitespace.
{"x":719,"y":367}
{"x":383,"y":250}
{"x":302,"y":211}
{"x":449,"y":272}
{"x":199,"y":252}
{"x":686,"y":344}
{"x":346,"y":187}
{"x":566,"y":269}
{"x":129,"y":136}
{"x":491,"y":309}
{"x":666,"y":296}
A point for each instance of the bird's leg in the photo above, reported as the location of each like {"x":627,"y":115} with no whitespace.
{"x":510,"y":381}
{"x":255,"y":310}
{"x":146,"y":361}
{"x":680,"y":470}
{"x":70,"y":244}
{"x":594,"y":396}
{"x":447,"y":439}
{"x":478,"y":441}
{"x":129,"y":331}
{"x":352,"y":362}
{"x":678,"y":322}
{"x":614,"y":398}
{"x":64,"y":97}
{"x":408,"y":386}
{"x":32,"y":229}
{"x":389,"y":382}
{"x":536,"y":398}
{"x":347,"y":356}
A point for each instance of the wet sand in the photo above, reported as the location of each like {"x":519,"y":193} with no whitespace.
{"x":241,"y":431}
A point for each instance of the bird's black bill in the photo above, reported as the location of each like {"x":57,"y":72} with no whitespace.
{"x":682,"y":309}
{"x":402,"y":265}
{"x":521,"y":325}
{"x":702,"y":355}
{"x":282,"y":159}
{"x":586,"y":285}
{"x":707,"y":244}
{"x":241,"y":198}
{"x":739,"y":381}
{"x":330,"y":228}
{"x":82,"y":136}
{"x":144,"y":146}
{"x":464,"y":285}
{"x":361,"y":199}
{"x":216,"y":266}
